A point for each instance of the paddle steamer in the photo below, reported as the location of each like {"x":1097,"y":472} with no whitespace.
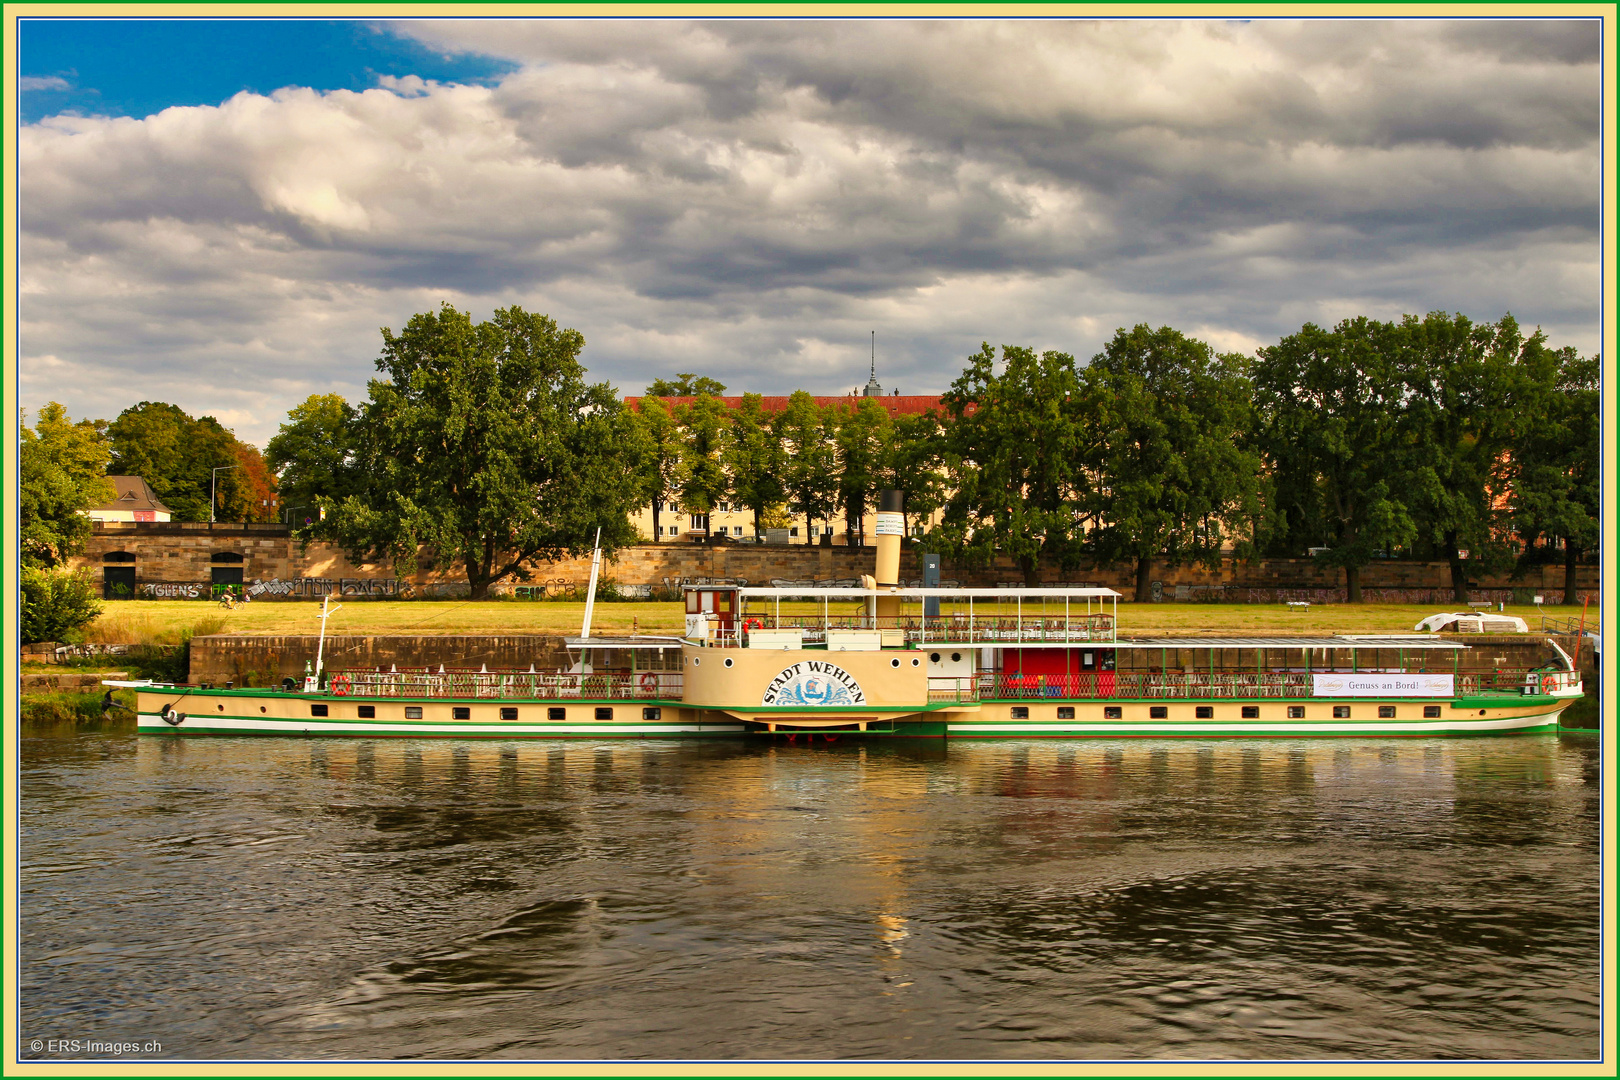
{"x":885,"y":660}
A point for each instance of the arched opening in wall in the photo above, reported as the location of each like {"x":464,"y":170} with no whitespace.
{"x":225,"y":569}
{"x":118,"y":575}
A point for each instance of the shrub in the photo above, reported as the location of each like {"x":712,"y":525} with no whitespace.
{"x":55,"y":605}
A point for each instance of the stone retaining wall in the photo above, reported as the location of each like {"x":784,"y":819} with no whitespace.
{"x":181,"y":553}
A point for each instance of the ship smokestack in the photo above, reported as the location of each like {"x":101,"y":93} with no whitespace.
{"x":891,"y":529}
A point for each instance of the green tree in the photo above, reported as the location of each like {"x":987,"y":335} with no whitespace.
{"x":62,"y":468}
{"x":177,"y":455}
{"x":55,"y":604}
{"x":1462,"y":399}
{"x":484,"y":447}
{"x":1174,"y":483}
{"x":1554,"y":470}
{"x":811,"y":479}
{"x":703,"y":482}
{"x":863,"y":430}
{"x":755,"y":461}
{"x":913,"y":462}
{"x":1330,"y":406}
{"x":652,"y":443}
{"x":313,"y":454}
{"x":686,"y":384}
{"x":1015,"y":443}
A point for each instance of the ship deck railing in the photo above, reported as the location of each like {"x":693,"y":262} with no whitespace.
{"x":1211,"y":685}
{"x":465,"y":684}
{"x":917,"y":630}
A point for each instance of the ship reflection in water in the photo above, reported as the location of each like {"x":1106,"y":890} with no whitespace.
{"x":1250,"y":900}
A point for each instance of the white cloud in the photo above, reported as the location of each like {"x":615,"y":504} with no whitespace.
{"x":750,"y":199}
{"x":45,"y":82}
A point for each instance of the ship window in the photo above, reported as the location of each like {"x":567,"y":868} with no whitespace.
{"x":1251,"y":712}
{"x":317,"y":710}
{"x":1341,"y":712}
{"x":1204,"y":712}
{"x":956,"y":658}
{"x":508,"y":712}
{"x":556,"y":712}
{"x":1065,"y":712}
{"x":1158,"y":712}
{"x":604,"y":712}
{"x":1431,"y":712}
{"x":933,"y":658}
{"x":730,"y":661}
{"x":368,"y":712}
{"x":1113,"y":712}
{"x":892,"y":663}
{"x":1020,"y":712}
{"x":916,"y":662}
{"x":652,"y":713}
{"x":1386,"y":712}
{"x":413,"y":712}
{"x":1296,"y":712}
{"x":460,"y":712}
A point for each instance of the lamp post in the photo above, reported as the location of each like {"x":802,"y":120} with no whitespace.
{"x":213,"y":479}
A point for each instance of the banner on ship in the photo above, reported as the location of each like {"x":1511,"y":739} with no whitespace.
{"x":1378,"y":684}
{"x":815,"y":683}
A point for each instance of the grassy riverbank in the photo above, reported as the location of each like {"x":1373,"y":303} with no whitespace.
{"x":166,"y":621}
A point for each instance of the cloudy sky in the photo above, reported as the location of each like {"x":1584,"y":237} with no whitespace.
{"x":751,"y":199}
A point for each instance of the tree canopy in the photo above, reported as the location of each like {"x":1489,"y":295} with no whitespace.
{"x":484,"y":447}
{"x":1172,"y":481}
{"x":177,"y":455}
{"x":62,"y":467}
{"x":686,"y":384}
{"x":1015,"y":443}
{"x":313,"y":455}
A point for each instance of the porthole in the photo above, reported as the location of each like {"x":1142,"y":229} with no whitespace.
{"x":916,"y":661}
{"x":261,"y":708}
{"x":729,"y":661}
{"x":895,"y":662}
{"x":933,"y":658}
{"x":696,"y":660}
{"x":956,"y":658}
{"x":222,"y":708}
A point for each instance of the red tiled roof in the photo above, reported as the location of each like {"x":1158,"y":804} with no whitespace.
{"x":133,"y":494}
{"x":896,"y":404}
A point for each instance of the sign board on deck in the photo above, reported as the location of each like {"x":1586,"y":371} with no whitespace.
{"x":1380,"y":684}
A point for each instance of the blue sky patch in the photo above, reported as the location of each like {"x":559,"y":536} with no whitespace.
{"x":137,"y":67}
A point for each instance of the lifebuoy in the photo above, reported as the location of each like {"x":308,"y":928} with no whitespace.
{"x":753,"y":624}
{"x":339,"y":684}
{"x":649,"y":683}
{"x":1549,"y":683}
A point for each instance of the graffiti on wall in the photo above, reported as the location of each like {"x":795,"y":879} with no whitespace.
{"x":315,"y":587}
{"x":175,"y":590}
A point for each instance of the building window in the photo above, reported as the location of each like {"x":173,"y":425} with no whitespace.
{"x":794,"y":531}
{"x":826,"y":530}
{"x":460,"y":712}
{"x":508,"y":712}
{"x":1020,"y":712}
{"x":413,"y":712}
{"x":1386,"y":712}
{"x":317,"y":710}
{"x":1158,"y":712}
{"x":1065,"y":712}
{"x":1113,"y":712}
{"x":1296,"y":712}
{"x":1341,"y":712}
{"x":674,"y":530}
{"x":1204,"y":712}
{"x":368,"y":712}
{"x":736,"y":530}
{"x":697,"y":521}
{"x":652,"y":713}
{"x":556,"y":712}
{"x":604,"y":712}
{"x":1251,"y":712}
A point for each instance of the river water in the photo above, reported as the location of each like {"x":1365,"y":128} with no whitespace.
{"x":271,"y":900}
